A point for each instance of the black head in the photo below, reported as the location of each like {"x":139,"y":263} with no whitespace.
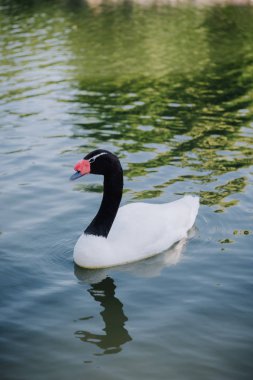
{"x":99,"y":161}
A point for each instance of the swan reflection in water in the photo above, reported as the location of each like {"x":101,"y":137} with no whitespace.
{"x":113,"y":316}
{"x":103,"y":291}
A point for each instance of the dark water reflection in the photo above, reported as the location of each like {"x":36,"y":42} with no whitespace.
{"x":115,"y":334}
{"x":102,"y":289}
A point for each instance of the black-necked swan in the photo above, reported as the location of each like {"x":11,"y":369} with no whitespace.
{"x":132,"y":232}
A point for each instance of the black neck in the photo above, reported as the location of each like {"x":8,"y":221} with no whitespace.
{"x":113,"y":187}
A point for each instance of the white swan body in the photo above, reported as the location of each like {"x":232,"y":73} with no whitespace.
{"x":139,"y":231}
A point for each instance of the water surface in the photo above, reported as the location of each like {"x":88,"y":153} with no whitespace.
{"x":169,"y":89}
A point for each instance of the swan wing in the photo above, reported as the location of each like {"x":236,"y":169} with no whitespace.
{"x":151,"y":228}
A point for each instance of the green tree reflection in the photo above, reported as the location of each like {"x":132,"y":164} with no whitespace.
{"x":191,"y":114}
{"x":173,"y":82}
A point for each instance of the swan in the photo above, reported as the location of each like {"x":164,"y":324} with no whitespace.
{"x":121,"y":235}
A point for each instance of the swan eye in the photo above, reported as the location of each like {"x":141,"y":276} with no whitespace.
{"x":92,"y":159}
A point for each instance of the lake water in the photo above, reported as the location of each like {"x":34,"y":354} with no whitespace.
{"x":169,"y":89}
